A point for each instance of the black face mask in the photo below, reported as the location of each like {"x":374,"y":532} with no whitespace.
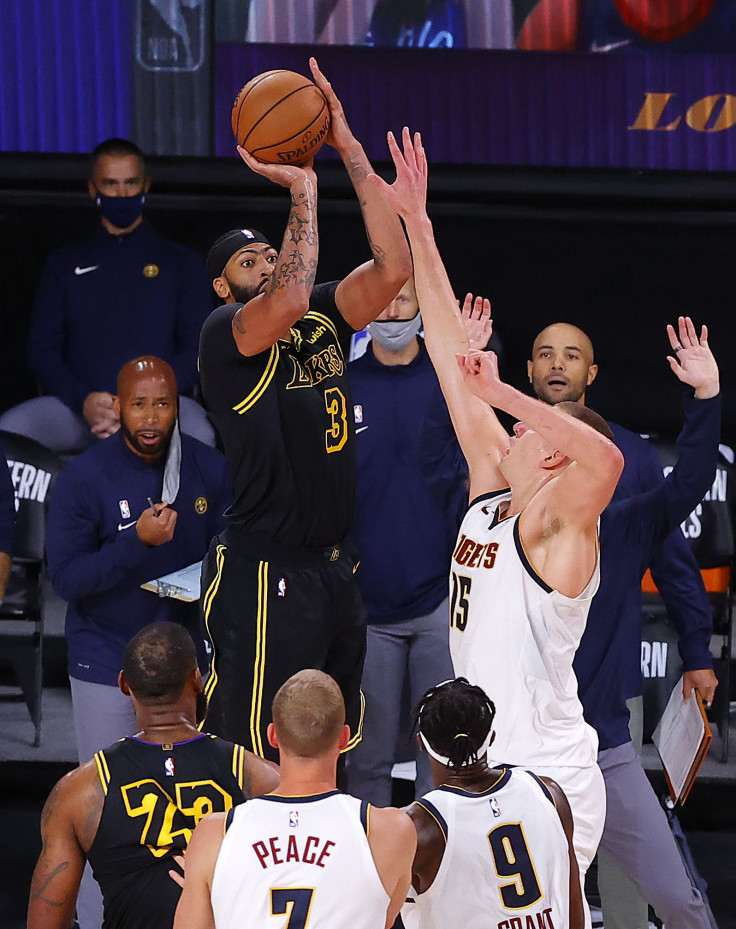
{"x":121,"y":211}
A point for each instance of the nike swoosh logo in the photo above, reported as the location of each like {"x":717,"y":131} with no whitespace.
{"x":126,"y":526}
{"x":362,"y":429}
{"x":79,"y":270}
{"x":595,"y":47}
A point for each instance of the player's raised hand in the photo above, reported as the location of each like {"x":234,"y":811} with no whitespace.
{"x":408,"y":193}
{"x":480,"y":374}
{"x":340,"y":136}
{"x":476,"y":317}
{"x":693,"y":362}
{"x":283,"y":175}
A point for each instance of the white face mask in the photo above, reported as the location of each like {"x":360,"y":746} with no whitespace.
{"x":395,"y":334}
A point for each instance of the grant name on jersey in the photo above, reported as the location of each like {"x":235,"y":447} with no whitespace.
{"x":312,"y":850}
{"x":543,"y":921}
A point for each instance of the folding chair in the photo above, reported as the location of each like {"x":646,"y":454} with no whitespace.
{"x":33,"y":469}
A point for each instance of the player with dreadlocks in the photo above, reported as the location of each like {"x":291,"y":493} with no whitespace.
{"x":495,"y":844}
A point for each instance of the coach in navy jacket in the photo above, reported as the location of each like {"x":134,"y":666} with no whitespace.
{"x":104,"y":540}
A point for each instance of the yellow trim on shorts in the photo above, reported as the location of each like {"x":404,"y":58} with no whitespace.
{"x":354,"y":739}
{"x":207,"y":606}
{"x":255,"y":395}
{"x":259,"y":664}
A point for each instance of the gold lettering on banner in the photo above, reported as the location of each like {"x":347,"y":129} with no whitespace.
{"x":714,"y":113}
{"x":702,"y":112}
{"x":651,"y":113}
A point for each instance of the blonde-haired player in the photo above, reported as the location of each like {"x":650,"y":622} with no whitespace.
{"x":526,"y":565}
{"x":306,"y":851}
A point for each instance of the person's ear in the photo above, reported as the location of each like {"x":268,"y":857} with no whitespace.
{"x":221,"y":288}
{"x":273,"y":739}
{"x":123,"y":684}
{"x":419,"y":742}
{"x":147,"y":184}
{"x":554,"y":460}
{"x":592,"y":374}
{"x":196,"y":679}
{"x":116,"y":405}
{"x":91,"y":188}
{"x":529,"y":370}
{"x":344,"y":737}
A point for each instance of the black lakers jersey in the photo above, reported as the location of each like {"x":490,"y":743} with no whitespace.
{"x":154,"y":797}
{"x":285,"y":417}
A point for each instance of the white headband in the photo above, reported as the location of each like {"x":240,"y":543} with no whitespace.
{"x":446,"y":761}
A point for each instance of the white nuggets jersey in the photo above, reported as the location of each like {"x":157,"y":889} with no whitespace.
{"x":516,"y":637}
{"x":295,"y":862}
{"x":506,"y":861}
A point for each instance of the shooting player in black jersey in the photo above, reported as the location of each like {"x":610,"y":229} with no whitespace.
{"x":131,"y":810}
{"x":278,"y":588}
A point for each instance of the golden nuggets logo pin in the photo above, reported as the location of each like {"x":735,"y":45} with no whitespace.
{"x":200,"y":505}
{"x":150,"y":270}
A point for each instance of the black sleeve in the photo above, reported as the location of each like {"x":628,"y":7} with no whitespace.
{"x":225,"y":374}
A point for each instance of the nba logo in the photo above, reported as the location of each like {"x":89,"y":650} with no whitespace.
{"x":358,"y":413}
{"x":282,"y":587}
{"x":169,"y":767}
{"x":495,"y":807}
{"x":293,"y":819}
{"x":124,"y":509}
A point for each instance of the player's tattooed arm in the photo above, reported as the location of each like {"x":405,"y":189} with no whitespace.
{"x":369,"y":289}
{"x":270,"y":314}
{"x":59,"y":869}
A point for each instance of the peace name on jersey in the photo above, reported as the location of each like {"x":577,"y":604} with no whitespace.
{"x":312,"y":850}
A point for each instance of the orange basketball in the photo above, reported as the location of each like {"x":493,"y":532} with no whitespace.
{"x":281,"y":117}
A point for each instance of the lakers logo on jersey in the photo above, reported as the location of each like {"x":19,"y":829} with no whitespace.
{"x":200,"y":505}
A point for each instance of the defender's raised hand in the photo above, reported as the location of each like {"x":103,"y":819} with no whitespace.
{"x":693,"y":362}
{"x":408,"y":193}
{"x":476,"y":317}
{"x":480,"y":374}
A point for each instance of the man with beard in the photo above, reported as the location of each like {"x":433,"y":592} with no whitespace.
{"x":104,"y":539}
{"x":131,"y":811}
{"x":278,"y":591}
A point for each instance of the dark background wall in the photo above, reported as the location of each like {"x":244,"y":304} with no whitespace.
{"x":619,"y":254}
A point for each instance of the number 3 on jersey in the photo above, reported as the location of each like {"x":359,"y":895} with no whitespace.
{"x":294,"y":902}
{"x":460,"y":601}
{"x":337,"y":435}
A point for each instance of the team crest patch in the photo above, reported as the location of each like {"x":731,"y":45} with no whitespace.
{"x":200,"y":505}
{"x":358,"y":413}
{"x":169,"y":767}
{"x":124,"y":509}
{"x":293,"y":819}
{"x":496,"y":809}
{"x":150,"y":270}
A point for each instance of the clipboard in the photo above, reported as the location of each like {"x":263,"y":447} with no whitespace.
{"x":181,"y":585}
{"x":683,"y":737}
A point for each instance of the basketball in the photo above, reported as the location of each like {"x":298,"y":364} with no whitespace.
{"x":281,"y":117}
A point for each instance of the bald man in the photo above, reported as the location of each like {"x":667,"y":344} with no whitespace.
{"x":607,"y":664}
{"x":105,"y":539}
